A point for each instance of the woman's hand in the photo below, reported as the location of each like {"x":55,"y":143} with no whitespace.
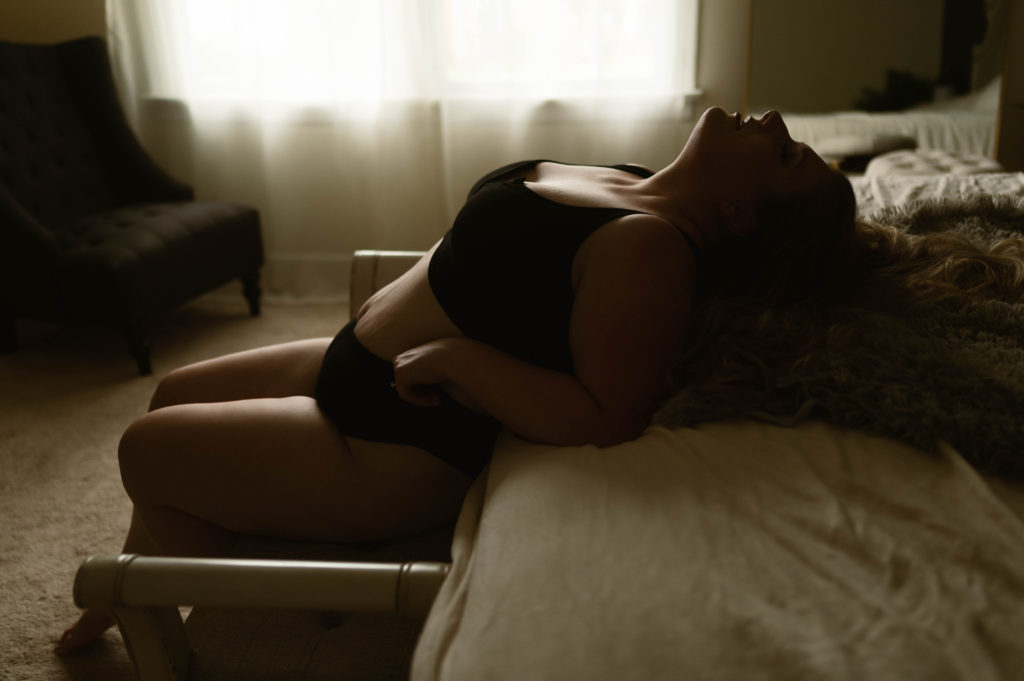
{"x":424,"y":373}
{"x":420,"y":372}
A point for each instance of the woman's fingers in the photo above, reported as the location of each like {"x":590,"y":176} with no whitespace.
{"x":420,"y":395}
{"x":417,"y":375}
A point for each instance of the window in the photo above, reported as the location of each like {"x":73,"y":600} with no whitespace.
{"x":323,"y":50}
{"x":568,"y":47}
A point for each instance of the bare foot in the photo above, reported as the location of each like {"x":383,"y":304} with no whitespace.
{"x":85,"y":632}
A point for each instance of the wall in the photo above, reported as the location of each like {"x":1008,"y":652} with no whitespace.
{"x":722,"y":53}
{"x":1010,"y":141}
{"x":817,"y":55}
{"x":49,"y":21}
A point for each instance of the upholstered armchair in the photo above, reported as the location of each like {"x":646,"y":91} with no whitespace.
{"x":91,"y":229}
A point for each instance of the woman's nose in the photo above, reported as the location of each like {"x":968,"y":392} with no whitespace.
{"x":772,"y":122}
{"x":770,"y":119}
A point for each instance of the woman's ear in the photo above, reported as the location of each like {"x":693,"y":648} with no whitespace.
{"x":736,"y":217}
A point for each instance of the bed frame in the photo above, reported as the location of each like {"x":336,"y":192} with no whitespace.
{"x":144,"y":593}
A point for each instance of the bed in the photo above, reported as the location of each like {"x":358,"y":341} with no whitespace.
{"x":964,"y":124}
{"x":754,"y":548}
{"x":739,"y":549}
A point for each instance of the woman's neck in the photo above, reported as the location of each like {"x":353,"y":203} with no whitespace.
{"x":673,"y":195}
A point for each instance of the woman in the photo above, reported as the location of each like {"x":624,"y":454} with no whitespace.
{"x":554,"y":307}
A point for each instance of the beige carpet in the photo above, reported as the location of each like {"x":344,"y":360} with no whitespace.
{"x":65,"y":398}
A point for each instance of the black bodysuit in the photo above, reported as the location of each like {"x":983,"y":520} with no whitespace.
{"x":502,"y":273}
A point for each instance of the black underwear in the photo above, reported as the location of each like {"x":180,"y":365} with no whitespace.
{"x":354,"y":389}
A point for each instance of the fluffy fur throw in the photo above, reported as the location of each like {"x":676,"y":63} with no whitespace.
{"x":955,"y":375}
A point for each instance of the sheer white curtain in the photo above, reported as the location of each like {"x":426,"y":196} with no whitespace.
{"x":362,"y":123}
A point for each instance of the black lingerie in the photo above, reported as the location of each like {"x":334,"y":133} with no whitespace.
{"x":502,"y":273}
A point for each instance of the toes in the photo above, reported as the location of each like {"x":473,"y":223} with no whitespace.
{"x":86,"y":632}
{"x":64,"y":646}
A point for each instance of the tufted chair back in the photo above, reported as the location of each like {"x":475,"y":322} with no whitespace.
{"x":48,"y":159}
{"x":61,"y":145}
{"x":66,"y":152}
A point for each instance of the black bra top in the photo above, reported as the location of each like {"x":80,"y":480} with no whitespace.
{"x":503,"y":271}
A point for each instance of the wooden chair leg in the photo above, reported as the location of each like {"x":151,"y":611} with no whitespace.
{"x":251,"y":289}
{"x":138,"y":345}
{"x":8,"y":333}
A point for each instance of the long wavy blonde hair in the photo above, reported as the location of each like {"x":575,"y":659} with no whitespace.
{"x":742,"y":344}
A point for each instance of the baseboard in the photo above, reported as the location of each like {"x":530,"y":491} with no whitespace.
{"x":299,"y":279}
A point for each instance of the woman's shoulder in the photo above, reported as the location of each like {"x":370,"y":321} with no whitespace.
{"x":641,"y":241}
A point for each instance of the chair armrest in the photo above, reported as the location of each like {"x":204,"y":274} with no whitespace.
{"x":373,"y":270}
{"x":143,"y":593}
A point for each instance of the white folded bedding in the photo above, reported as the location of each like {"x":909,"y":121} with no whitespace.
{"x":737,"y":550}
{"x":969,"y":132}
{"x":964,"y":124}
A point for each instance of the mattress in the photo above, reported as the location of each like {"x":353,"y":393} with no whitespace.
{"x":734,"y":550}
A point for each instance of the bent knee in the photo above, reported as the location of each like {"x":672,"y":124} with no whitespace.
{"x":140,"y":456}
{"x":170,"y":390}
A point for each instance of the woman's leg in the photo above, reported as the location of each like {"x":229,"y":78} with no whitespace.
{"x":200,"y":474}
{"x":276,"y":467}
{"x":274,"y":371}
{"x":279,"y":370}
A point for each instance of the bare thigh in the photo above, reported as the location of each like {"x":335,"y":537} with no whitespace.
{"x":277,"y":467}
{"x":281,"y":370}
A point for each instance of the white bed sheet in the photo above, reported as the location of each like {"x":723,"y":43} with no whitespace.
{"x":965,"y":124}
{"x":966,"y":132}
{"x":734,"y":551}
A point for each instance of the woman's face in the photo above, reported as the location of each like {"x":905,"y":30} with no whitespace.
{"x":752,"y":159}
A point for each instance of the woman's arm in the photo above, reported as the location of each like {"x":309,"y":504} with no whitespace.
{"x":631,"y":301}
{"x":536,"y":404}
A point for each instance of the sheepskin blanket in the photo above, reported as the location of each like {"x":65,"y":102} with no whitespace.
{"x":953,"y":375}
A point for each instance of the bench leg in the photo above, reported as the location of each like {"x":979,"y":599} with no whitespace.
{"x":142,"y":592}
{"x":156,"y":641}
